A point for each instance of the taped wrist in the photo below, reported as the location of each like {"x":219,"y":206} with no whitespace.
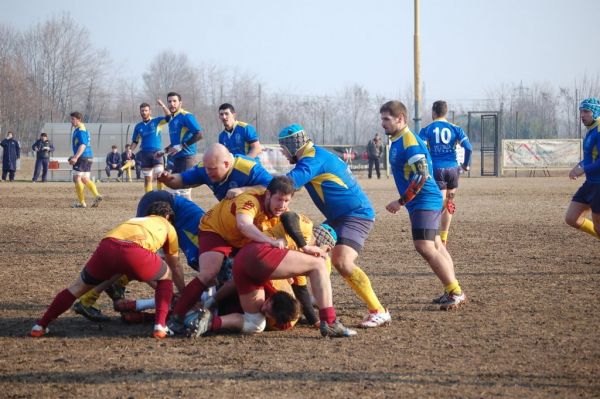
{"x":291,"y":224}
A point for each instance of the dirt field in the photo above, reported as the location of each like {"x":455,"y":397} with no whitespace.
{"x":530,"y":329}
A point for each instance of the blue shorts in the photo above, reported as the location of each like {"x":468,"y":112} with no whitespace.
{"x":425,"y":224}
{"x":446,"y":178}
{"x":352,"y":231}
{"x":183,"y":163}
{"x":83,"y":165}
{"x":148,"y":159}
{"x":589,"y":193}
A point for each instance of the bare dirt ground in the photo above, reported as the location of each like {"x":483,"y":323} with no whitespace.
{"x":530,"y":329}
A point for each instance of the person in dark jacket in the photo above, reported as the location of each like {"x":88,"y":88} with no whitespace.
{"x":113,"y":162}
{"x":374,"y":151}
{"x":12,"y":152}
{"x":42,"y":147}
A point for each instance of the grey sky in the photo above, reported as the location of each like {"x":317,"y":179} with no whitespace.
{"x":321,"y":46}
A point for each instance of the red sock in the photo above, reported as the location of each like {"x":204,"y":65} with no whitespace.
{"x":189,"y":296}
{"x":216,"y":323}
{"x":61,"y":303}
{"x":327,"y":315}
{"x":162,"y":297}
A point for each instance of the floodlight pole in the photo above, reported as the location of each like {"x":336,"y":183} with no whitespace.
{"x":417,"y":60}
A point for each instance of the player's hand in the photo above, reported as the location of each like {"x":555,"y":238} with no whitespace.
{"x":174,"y":149}
{"x":73,"y":160}
{"x":160,"y":103}
{"x":314,"y":250}
{"x":233,"y":192}
{"x":164,"y":177}
{"x":279,"y":243}
{"x":576,"y":172}
{"x":464,"y":167}
{"x":393,"y":206}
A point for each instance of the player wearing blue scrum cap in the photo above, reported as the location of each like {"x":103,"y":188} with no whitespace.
{"x":588,"y":195}
{"x":338,"y":196}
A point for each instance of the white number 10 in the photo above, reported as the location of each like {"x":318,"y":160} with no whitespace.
{"x":444,"y":137}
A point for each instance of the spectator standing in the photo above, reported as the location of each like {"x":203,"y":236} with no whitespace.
{"x":42,"y":147}
{"x":374,"y":151}
{"x":12,"y":152}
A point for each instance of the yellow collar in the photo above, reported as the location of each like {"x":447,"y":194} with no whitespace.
{"x":305,"y":148}
{"x":400,"y":133}
{"x":595,"y":124}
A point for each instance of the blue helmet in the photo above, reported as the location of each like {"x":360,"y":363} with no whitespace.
{"x":325,"y":235}
{"x":593,"y":105}
{"x":292,"y":138}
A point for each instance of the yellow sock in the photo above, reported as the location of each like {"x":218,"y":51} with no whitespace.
{"x":361,"y":285}
{"x":160,"y":186}
{"x":92,"y":187}
{"x":79,"y":189}
{"x":89,"y":298}
{"x":444,"y":235}
{"x":129,"y":174}
{"x":148,"y":186}
{"x":328,"y":264}
{"x":588,"y":227}
{"x":454,"y":287}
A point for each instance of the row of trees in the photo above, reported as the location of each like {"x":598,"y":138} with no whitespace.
{"x":51,"y":69}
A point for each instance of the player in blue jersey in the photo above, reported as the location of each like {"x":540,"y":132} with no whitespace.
{"x":410,"y":163}
{"x":338,"y":196}
{"x":588,"y":196}
{"x":149,"y":133}
{"x":227,"y":176}
{"x":240,"y":138}
{"x":442,"y":137}
{"x":184,"y":132}
{"x":186,"y":222}
{"x":82,"y":162}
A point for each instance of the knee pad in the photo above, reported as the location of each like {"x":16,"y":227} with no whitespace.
{"x":147,"y":173}
{"x":158,"y":169}
{"x":254,"y":323}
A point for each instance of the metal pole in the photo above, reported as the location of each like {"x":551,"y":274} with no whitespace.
{"x":258,"y":112}
{"x":417,"y":66}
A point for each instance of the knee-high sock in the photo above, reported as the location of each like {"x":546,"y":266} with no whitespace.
{"x":189,"y":296}
{"x":89,"y":298}
{"x":61,"y":303}
{"x":327,"y":315}
{"x":588,"y":227}
{"x":160,"y":186}
{"x":92,"y":187}
{"x":147,"y":186}
{"x":79,"y":189}
{"x":301,"y":293}
{"x":361,"y":285}
{"x":162,"y":297}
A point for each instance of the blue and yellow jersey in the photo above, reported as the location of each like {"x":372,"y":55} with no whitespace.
{"x":183,"y":126}
{"x":405,"y":145}
{"x":150,"y":232}
{"x":239,"y":140}
{"x":591,"y":153}
{"x":187,"y":219}
{"x":442,"y":137}
{"x":82,"y":136}
{"x":330,"y":184}
{"x":149,"y":133}
{"x":221,"y":218}
{"x":245,"y":172}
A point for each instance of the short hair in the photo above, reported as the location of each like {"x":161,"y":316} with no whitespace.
{"x":395,"y":108}
{"x":281,"y":185}
{"x":225,"y":106}
{"x":114,"y":147}
{"x":77,"y":115}
{"x":440,"y":108}
{"x":173,"y":93}
{"x":284,"y":307}
{"x":43,"y":134}
{"x":127,"y":146}
{"x":161,"y":208}
{"x":144,"y":105}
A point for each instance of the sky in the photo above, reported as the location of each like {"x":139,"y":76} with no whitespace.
{"x":320,"y":47}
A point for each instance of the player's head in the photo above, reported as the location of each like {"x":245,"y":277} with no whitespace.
{"x":394,"y":117}
{"x":589,"y":111}
{"x":227,"y":115}
{"x":279,"y":194}
{"x":161,"y":208}
{"x":9,"y":134}
{"x":174,"y":101}
{"x":76,"y":118}
{"x":114,"y":148}
{"x":145,"y":111}
{"x":325,"y":235}
{"x":217,"y":162}
{"x":291,"y":139}
{"x":282,"y":307}
{"x":439,"y":109}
